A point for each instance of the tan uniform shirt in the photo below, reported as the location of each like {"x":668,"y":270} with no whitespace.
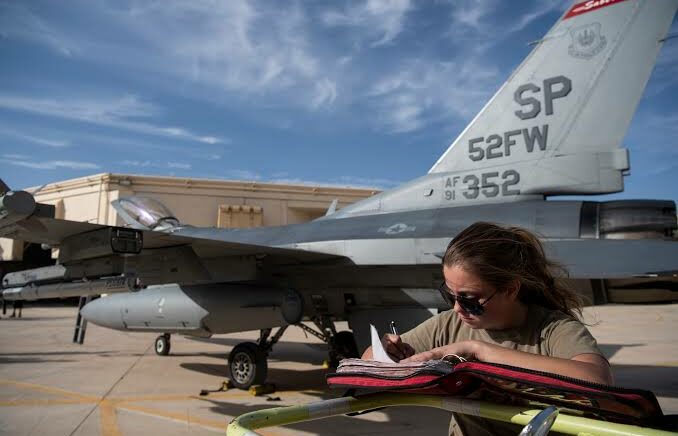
{"x":546,"y":332}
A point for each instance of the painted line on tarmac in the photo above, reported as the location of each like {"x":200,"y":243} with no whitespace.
{"x":109,"y":424}
{"x":50,"y":390}
{"x":108,"y":418}
{"x":42,"y":402}
{"x":108,"y":408}
{"x":185,"y":418}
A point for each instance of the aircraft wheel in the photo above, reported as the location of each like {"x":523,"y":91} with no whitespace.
{"x":162,"y":345}
{"x":345,"y":346}
{"x":247,"y":364}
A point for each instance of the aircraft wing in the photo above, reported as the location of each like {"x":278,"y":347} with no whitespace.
{"x":56,"y":232}
{"x":94,"y":250}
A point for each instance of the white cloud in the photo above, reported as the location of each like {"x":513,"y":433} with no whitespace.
{"x":155,"y":164}
{"x":283,"y":178}
{"x":665,"y":120}
{"x":423,"y":92}
{"x":663,"y":168}
{"x":249,"y":54}
{"x":469,"y":15}
{"x":179,"y":165}
{"x":137,"y":163}
{"x":111,"y":112}
{"x":341,"y":182}
{"x":370,"y":182}
{"x":49,"y":142}
{"x":18,"y":21}
{"x":484,"y":21}
{"x":235,"y":47}
{"x":210,"y":140}
{"x":241,"y":175}
{"x":665,"y":73}
{"x":539,"y":9}
{"x":52,"y":164}
{"x":381,"y":21}
{"x":325,"y":93}
{"x":304,"y":182}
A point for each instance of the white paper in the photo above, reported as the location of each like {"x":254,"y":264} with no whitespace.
{"x":378,"y":352}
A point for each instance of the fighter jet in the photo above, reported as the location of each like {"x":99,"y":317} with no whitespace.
{"x":554,"y":128}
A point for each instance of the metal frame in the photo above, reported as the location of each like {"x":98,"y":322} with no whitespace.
{"x":244,"y":425}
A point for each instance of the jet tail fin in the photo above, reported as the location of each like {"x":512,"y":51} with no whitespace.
{"x":556,"y":125}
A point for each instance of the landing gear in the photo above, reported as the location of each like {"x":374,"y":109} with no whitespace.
{"x":162,"y":345}
{"x":248,"y":366}
{"x":80,"y":322}
{"x":341,"y":345}
{"x":344,"y":345}
{"x":247,"y":361}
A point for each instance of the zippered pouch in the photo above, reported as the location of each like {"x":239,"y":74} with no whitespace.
{"x":506,"y":385}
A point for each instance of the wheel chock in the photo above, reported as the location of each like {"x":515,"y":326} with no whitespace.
{"x":225,"y":385}
{"x":266,"y":388}
{"x":328,"y":364}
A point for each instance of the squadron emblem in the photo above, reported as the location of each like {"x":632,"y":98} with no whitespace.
{"x":586,"y":41}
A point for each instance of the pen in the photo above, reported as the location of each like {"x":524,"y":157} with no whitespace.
{"x":392,"y":324}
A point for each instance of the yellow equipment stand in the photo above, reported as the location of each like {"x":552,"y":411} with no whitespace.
{"x":244,"y":425}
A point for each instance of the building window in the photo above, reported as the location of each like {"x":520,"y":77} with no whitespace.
{"x":239,"y":216}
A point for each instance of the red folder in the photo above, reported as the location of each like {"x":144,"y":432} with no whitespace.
{"x":506,"y":384}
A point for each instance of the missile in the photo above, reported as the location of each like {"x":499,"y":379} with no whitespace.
{"x":15,"y":206}
{"x":107,"y":285}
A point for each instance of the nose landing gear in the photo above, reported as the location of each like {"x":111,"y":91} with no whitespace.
{"x":162,"y":344}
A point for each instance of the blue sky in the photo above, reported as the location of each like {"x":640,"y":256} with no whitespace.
{"x":350,"y":93}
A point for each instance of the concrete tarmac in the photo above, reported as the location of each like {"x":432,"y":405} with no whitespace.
{"x":115,"y":384}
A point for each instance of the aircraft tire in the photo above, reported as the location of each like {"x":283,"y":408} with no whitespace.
{"x":247,"y":365}
{"x":162,"y":345}
{"x":345,"y":345}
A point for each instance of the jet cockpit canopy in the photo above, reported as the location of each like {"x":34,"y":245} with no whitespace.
{"x":145,"y":213}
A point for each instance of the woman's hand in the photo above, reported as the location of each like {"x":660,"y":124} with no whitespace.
{"x":396,"y":347}
{"x":590,"y":367}
{"x":470,"y":350}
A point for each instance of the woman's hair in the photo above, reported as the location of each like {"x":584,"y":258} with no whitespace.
{"x":500,"y":256}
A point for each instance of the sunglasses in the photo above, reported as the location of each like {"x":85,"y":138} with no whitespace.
{"x":470,"y":305}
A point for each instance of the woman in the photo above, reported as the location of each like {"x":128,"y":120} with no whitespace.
{"x":507,"y":308}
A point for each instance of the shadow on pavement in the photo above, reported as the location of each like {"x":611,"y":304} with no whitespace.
{"x":609,"y":350}
{"x":662,"y":380}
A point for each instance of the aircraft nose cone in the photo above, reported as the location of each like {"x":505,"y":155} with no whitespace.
{"x":104,"y":312}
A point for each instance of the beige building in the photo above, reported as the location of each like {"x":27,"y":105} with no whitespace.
{"x":199,"y":202}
